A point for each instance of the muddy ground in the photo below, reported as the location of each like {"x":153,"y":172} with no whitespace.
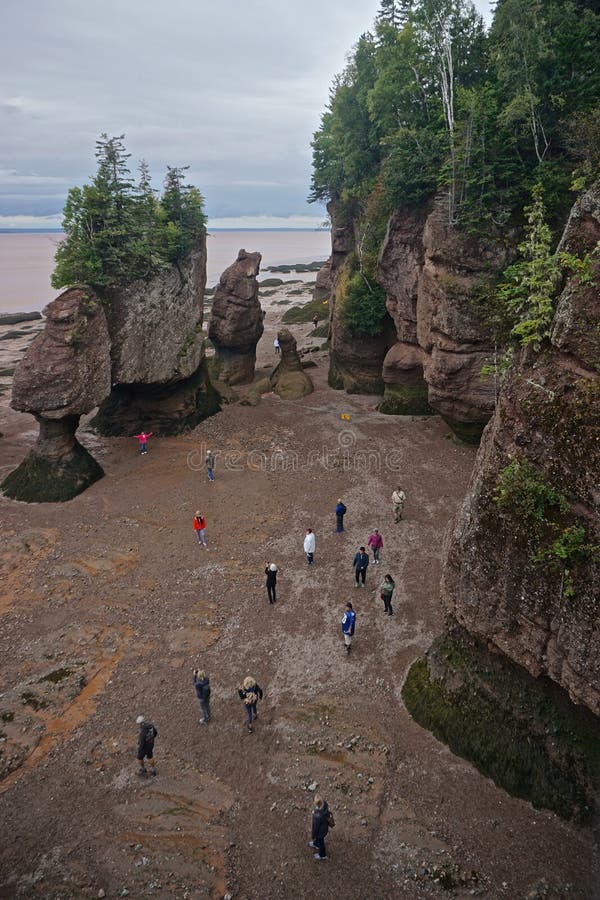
{"x":107,"y":603}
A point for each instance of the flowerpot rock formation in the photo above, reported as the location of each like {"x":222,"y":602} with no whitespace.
{"x":160,"y":379}
{"x":64,"y":374}
{"x":236,"y":323}
{"x":289,"y":380}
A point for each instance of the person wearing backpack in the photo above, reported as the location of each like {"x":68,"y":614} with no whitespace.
{"x":340,"y":512}
{"x":321,"y":822}
{"x":145,"y":746}
{"x":250,"y":693}
{"x":202,"y":686}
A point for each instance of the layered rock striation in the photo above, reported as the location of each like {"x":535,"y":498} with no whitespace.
{"x":65,"y":373}
{"x":289,"y":380}
{"x":520,"y":583}
{"x":159,"y":372}
{"x":236,"y":323}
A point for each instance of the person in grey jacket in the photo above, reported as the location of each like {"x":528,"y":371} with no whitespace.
{"x":202,"y":686}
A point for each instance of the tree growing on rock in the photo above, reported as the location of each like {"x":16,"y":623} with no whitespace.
{"x":117,"y":232}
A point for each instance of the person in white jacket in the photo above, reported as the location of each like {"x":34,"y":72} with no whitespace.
{"x":309,"y":546}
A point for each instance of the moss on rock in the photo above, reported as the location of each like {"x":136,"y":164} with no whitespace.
{"x":523,"y":732}
{"x":40,"y":480}
{"x":406,"y":400}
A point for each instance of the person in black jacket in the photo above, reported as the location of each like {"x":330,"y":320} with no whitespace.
{"x":250,"y":692}
{"x":271,"y":573}
{"x":202,"y":685}
{"x":320,"y":827}
{"x":360,"y":565}
{"x":145,"y":746}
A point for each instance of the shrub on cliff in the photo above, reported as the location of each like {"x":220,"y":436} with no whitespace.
{"x":117,"y":231}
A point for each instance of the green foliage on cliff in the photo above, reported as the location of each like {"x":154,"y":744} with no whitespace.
{"x":117,"y":231}
{"x":430,"y":101}
{"x":363,"y":307}
{"x":522,"y":490}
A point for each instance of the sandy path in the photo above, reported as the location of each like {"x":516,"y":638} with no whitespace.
{"x":116,"y":575}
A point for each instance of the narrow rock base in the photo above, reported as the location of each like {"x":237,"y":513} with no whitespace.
{"x":466,"y":432}
{"x":523,"y":732}
{"x":406,"y":400}
{"x":42,"y":480}
{"x":354,"y":381}
{"x":164,"y":409}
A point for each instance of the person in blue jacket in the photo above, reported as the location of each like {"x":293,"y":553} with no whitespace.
{"x":202,"y":685}
{"x":360,"y":566}
{"x":348,"y":625}
{"x":340,"y":512}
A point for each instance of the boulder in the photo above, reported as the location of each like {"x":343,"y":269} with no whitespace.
{"x":236,"y":323}
{"x":159,"y":373}
{"x":64,"y":374}
{"x":289,"y":380}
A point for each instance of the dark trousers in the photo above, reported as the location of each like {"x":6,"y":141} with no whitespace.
{"x":205,"y":708}
{"x":309,"y":558}
{"x":251,"y":708}
{"x":360,"y":573}
{"x":387,"y":602}
{"x":320,"y":845}
{"x":271,"y":593}
{"x":339,"y":523}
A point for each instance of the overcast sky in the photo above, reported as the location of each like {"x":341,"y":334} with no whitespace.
{"x":233,"y":89}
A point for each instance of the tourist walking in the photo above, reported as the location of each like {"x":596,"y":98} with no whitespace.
{"x":375,"y":542}
{"x":143,"y":441}
{"x":398,"y":499}
{"x":387,"y":589}
{"x":209,"y":462}
{"x":250,"y":693}
{"x":200,"y":529}
{"x":321,"y":820}
{"x":276,"y":345}
{"x":202,"y":686}
{"x":145,"y":745}
{"x":271,"y":573}
{"x":340,"y":512}
{"x":348,"y":626}
{"x":309,"y":546}
{"x":360,"y":565}
{"x":315,"y":321}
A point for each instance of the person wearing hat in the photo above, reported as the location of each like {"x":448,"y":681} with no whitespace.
{"x":145,"y":746}
{"x":250,"y":692}
{"x":271,"y":573}
{"x":209,"y":462}
{"x":200,"y":529}
{"x":340,"y":512}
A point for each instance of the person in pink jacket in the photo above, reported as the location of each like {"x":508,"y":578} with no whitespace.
{"x":143,"y":439}
{"x":375,"y":542}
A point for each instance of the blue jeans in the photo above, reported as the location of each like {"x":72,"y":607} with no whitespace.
{"x":205,"y":709}
{"x":143,"y":448}
{"x":211,"y":474}
{"x":251,"y":708}
{"x":320,"y":845}
{"x":376,"y":554}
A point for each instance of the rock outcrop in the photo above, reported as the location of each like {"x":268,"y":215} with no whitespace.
{"x":289,"y":379}
{"x":159,"y":372}
{"x":323,"y":283}
{"x":236,"y":323}
{"x":523,"y":560}
{"x":65,"y":374}
{"x":398,"y":271}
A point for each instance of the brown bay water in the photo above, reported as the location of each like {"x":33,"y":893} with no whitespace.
{"x":27,"y":260}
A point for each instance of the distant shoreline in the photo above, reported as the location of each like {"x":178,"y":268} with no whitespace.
{"x":209,"y":230}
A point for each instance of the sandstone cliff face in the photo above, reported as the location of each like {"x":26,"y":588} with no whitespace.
{"x":236,"y":323}
{"x":520,"y":583}
{"x":506,"y":579}
{"x":289,"y":380}
{"x":159,"y":374}
{"x":64,"y":374}
{"x":398,"y":272}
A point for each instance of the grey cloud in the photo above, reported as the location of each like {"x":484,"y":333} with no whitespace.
{"x":234,"y":89}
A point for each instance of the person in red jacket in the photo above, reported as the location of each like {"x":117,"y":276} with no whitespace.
{"x":200,"y":529}
{"x":143,"y":439}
